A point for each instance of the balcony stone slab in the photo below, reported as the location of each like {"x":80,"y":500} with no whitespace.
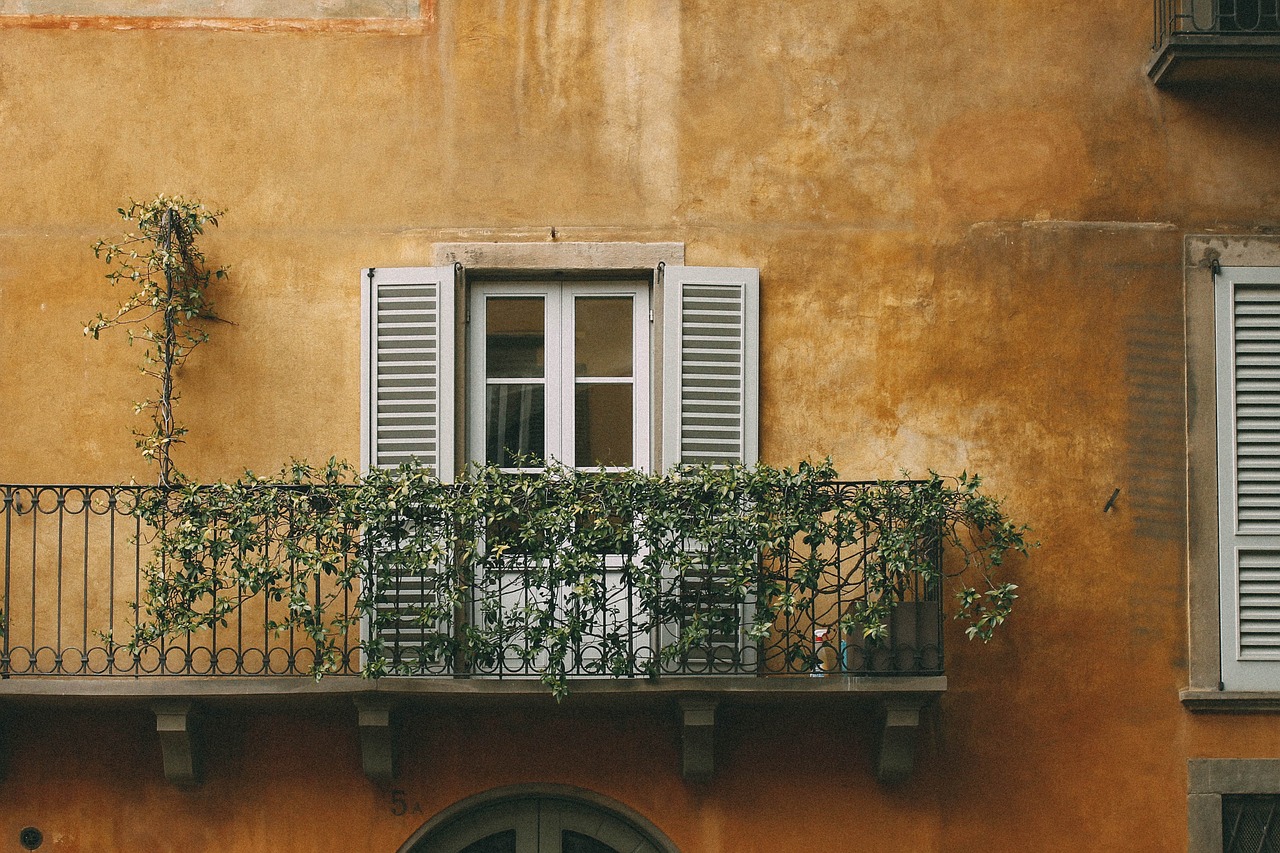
{"x":696,"y":700}
{"x":1201,"y":61}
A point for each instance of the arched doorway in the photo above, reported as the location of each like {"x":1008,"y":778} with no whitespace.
{"x":538,"y":819}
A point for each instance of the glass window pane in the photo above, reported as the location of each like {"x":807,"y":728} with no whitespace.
{"x":603,"y":425}
{"x":602,"y":337}
{"x":515,"y":425}
{"x":1250,"y":823}
{"x":515,"y":337}
{"x":499,"y":842}
{"x":574,"y":842}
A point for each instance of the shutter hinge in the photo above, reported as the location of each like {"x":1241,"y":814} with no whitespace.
{"x":1221,"y":686}
{"x":650,"y":315}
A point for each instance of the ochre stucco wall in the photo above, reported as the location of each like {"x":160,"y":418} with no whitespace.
{"x":968,"y":219}
{"x":786,"y":782}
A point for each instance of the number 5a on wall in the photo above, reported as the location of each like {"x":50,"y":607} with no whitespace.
{"x":401,"y":806}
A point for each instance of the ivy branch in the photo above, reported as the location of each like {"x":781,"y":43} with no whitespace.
{"x":165,"y":270}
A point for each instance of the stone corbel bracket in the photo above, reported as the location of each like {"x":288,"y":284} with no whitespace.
{"x":177,"y":747}
{"x":698,"y":738}
{"x":900,"y":721}
{"x":377,"y":739}
{"x":895,"y":754}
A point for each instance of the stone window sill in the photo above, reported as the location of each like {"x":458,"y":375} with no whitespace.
{"x":1201,"y":700}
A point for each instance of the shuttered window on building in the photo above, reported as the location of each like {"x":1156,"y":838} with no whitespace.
{"x":1248,"y":375}
{"x":709,"y":395}
{"x":708,"y":401}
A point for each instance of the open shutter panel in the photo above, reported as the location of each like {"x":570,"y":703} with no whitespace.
{"x":407,"y":414}
{"x":1248,"y":318}
{"x":711,"y":333}
{"x":711,"y":329}
{"x":408,"y":395}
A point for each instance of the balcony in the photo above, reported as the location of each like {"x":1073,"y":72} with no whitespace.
{"x":78,"y":562}
{"x":1216,"y":42}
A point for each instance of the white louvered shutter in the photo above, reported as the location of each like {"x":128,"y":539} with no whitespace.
{"x":710,"y":379}
{"x":407,"y":414}
{"x":1248,"y":341}
{"x":408,"y":355}
{"x":711,"y":363}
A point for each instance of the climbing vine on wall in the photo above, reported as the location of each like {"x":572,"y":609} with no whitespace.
{"x":167,"y":307}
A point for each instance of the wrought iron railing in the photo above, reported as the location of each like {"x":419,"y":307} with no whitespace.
{"x":75,"y":557}
{"x":1215,"y":18}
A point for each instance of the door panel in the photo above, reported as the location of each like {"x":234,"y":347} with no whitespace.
{"x":499,"y":842}
{"x":499,"y":828}
{"x":536,"y":825}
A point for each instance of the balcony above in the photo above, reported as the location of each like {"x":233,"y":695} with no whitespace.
{"x":80,"y":571}
{"x":78,"y":562}
{"x":1216,"y":43}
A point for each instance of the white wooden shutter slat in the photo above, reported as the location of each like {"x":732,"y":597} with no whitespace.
{"x":1248,"y":376}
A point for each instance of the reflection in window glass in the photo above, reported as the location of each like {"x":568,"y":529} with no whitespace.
{"x":574,"y":842}
{"x":562,"y":373}
{"x":515,"y":337}
{"x":499,"y":842}
{"x":515,"y":424}
{"x":1251,"y":823}
{"x":603,"y":429}
{"x":602,"y":336}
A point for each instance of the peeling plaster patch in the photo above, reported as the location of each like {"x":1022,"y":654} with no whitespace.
{"x":300,"y":9}
{"x":929,"y":436}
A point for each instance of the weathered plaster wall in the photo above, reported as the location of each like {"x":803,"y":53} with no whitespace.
{"x":968,"y":219}
{"x":293,"y":783}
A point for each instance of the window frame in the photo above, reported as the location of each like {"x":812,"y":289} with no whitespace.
{"x":1209,"y":780}
{"x":568,"y":807}
{"x":704,"y":388}
{"x":1203,"y":255}
{"x":560,"y":295}
{"x":497,"y":260}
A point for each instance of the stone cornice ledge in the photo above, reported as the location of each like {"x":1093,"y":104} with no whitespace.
{"x":529,"y":255}
{"x":1202,"y":700}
